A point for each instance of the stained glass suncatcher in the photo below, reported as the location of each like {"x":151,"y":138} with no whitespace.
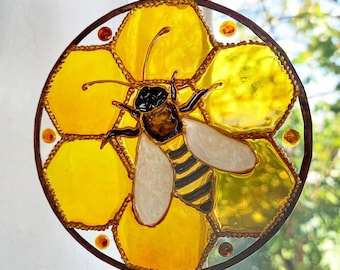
{"x":161,"y":144}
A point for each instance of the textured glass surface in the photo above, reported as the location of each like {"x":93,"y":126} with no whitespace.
{"x":81,"y":176}
{"x":184,"y":51}
{"x":92,"y":111}
{"x":244,"y":91}
{"x":249,"y":203}
{"x":256,"y":90}
{"x":178,"y":240}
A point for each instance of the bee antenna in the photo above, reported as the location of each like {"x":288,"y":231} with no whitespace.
{"x":214,"y":86}
{"x":162,"y":32}
{"x":87,"y":85}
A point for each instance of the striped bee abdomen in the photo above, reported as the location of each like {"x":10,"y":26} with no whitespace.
{"x":195,"y":181}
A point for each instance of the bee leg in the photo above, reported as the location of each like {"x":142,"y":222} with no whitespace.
{"x":190,"y":105}
{"x":128,"y":132}
{"x":173,"y":87}
{"x":134,"y":113}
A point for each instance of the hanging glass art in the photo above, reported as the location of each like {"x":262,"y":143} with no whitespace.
{"x":167,"y":145}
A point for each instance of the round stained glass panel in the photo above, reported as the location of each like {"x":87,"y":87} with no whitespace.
{"x":173,"y":144}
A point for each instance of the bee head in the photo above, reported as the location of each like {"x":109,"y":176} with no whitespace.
{"x":150,"y":97}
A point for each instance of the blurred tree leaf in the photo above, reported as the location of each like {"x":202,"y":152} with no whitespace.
{"x":310,"y":239}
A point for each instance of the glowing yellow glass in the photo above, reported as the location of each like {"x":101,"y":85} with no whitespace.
{"x":89,"y":184}
{"x":85,"y":112}
{"x":249,"y":203}
{"x":256,"y":90}
{"x":178,"y":240}
{"x":183,"y":49}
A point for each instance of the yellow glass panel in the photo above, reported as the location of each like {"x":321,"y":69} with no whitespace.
{"x":249,"y":203}
{"x":184,"y":95}
{"x":196,"y":114}
{"x":183,"y":49}
{"x":90,"y":184}
{"x":176,"y":243}
{"x":91,"y":111}
{"x":256,"y":90}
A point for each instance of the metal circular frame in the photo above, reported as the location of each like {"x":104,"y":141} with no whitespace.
{"x":308,"y":138}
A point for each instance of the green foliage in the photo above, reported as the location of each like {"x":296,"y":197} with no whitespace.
{"x":310,"y":239}
{"x":311,"y":26}
{"x":318,"y":29}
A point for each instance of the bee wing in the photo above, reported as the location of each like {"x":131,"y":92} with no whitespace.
{"x":153,"y":183}
{"x":217,"y":149}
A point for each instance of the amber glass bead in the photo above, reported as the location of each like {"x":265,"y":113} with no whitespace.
{"x":48,"y":135}
{"x":102,"y":241}
{"x":228,"y":28}
{"x":105,"y":33}
{"x":291,"y":137}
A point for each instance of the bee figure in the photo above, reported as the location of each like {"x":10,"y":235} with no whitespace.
{"x":186,"y":169}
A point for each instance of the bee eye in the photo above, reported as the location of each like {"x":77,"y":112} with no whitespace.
{"x":142,"y":107}
{"x":159,"y":102}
